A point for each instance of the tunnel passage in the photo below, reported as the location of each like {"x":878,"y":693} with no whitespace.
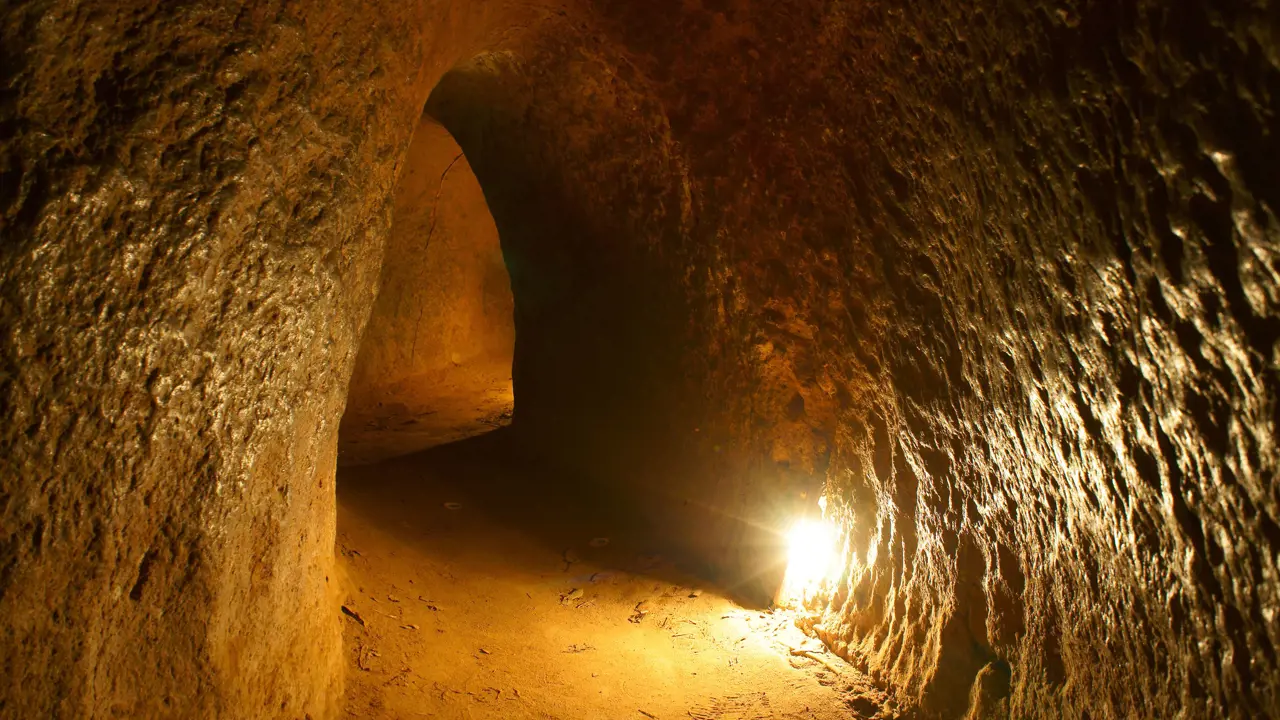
{"x":592,"y":203}
{"x":434,"y":364}
{"x":996,"y":279}
{"x":550,"y":538}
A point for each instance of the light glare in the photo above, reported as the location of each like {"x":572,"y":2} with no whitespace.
{"x":811,"y":558}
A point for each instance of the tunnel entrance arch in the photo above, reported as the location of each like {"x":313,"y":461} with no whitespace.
{"x":585,"y":193}
{"x":434,"y":364}
{"x":577,"y":538}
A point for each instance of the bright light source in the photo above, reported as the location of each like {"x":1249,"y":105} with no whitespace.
{"x":812,"y":558}
{"x":811,"y":551}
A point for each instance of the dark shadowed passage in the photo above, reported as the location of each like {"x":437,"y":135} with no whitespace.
{"x":480,"y":578}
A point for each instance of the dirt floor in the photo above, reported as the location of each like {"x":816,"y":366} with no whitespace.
{"x":478,"y":589}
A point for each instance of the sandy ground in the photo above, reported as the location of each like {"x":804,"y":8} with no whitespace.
{"x":478,"y":590}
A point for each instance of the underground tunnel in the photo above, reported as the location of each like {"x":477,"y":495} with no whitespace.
{"x":434,"y":364}
{"x":603,"y":359}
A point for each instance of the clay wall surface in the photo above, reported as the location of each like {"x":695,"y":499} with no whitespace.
{"x":194,"y":199}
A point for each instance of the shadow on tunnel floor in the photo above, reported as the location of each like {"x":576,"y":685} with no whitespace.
{"x":488,"y":479}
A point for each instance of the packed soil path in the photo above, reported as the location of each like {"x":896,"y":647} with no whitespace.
{"x":475,"y":589}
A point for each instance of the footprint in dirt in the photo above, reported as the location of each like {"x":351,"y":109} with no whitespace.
{"x":753,"y":706}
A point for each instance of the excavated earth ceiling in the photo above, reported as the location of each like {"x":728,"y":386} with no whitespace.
{"x":998,"y":278}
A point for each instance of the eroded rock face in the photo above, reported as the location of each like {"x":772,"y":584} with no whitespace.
{"x":435,"y":361}
{"x":1000,"y":278}
{"x":193,"y":204}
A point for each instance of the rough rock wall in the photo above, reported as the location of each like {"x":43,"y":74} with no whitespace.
{"x":193,"y":201}
{"x":434,"y":364}
{"x":1068,"y":468}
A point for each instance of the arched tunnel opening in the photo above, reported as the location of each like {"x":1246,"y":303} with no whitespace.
{"x":434,"y":364}
{"x":530,"y":547}
{"x":608,"y":359}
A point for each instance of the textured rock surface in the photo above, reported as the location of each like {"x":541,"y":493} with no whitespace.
{"x":1001,"y":275}
{"x":435,"y":361}
{"x":194,"y":201}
